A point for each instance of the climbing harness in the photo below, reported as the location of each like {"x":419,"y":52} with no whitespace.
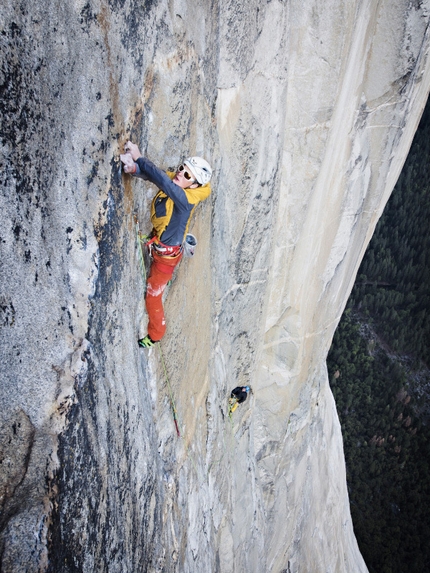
{"x":165,"y":250}
{"x":162,"y":249}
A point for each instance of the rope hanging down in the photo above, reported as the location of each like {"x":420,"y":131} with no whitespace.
{"x":172,"y":401}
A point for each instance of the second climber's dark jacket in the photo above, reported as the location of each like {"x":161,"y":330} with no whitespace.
{"x":240,"y":394}
{"x":172,"y":206}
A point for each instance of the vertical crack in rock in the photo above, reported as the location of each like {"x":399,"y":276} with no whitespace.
{"x":104,"y":516}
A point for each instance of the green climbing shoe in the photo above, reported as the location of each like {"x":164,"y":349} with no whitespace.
{"x":146,"y":342}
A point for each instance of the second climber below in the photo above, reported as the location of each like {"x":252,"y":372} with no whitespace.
{"x":172,"y":207}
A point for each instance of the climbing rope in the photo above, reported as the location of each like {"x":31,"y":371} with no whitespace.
{"x":188,"y":451}
{"x":172,"y":401}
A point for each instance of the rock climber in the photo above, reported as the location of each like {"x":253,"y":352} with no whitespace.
{"x":237,"y":396}
{"x":240,"y":393}
{"x":171,"y":210}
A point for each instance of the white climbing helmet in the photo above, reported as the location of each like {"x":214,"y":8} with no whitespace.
{"x":200,"y":168}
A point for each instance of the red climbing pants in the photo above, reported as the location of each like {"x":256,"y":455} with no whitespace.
{"x":161,"y":272}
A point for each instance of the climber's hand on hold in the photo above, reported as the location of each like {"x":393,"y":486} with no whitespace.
{"x":133,"y":150}
{"x":129,"y":164}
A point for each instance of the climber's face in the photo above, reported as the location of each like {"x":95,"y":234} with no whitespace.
{"x":184,"y":178}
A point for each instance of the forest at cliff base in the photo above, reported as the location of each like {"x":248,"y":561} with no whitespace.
{"x":379,"y":374}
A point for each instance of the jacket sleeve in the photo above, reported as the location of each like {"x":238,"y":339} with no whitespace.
{"x":138,"y":173}
{"x":148,"y":171}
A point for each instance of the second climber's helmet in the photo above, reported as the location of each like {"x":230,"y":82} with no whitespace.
{"x":200,"y":168}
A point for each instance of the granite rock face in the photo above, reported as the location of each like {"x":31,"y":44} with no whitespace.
{"x":306,"y":112}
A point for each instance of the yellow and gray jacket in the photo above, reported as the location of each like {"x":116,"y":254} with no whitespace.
{"x":172,"y":207}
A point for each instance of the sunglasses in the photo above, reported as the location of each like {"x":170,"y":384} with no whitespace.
{"x":187,"y":176}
